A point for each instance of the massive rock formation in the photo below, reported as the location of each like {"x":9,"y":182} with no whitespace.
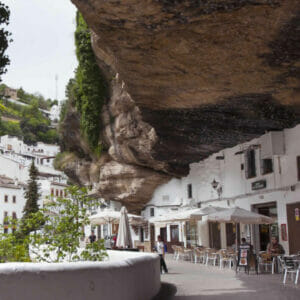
{"x":188,"y":78}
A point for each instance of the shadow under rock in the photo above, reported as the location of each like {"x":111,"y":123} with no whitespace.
{"x":167,"y":292}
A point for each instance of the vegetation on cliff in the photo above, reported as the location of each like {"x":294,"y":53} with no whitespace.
{"x":88,"y":90}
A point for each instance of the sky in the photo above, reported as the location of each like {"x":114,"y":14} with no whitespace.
{"x":42,"y":47}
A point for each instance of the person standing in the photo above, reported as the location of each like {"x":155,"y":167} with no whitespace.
{"x":160,"y":247}
{"x":92,"y":237}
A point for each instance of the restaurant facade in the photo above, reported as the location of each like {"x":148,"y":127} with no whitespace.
{"x":262,"y":175}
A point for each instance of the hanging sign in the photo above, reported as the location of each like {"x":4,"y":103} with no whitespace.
{"x":297,"y":214}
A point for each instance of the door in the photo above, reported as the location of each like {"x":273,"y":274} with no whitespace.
{"x":293,"y":217}
{"x":214,"y":235}
{"x":152,"y":236}
{"x":174,"y":234}
{"x":163,"y":234}
{"x":230,"y":234}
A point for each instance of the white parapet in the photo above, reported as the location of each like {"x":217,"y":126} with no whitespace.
{"x":126,"y":276}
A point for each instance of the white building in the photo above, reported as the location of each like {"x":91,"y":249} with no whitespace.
{"x":12,"y":200}
{"x":262,"y":175}
{"x":55,"y":112}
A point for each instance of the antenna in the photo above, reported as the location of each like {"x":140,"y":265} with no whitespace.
{"x":56,"y":88}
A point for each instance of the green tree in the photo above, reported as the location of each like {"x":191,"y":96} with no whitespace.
{"x":4,"y":38}
{"x":59,"y":239}
{"x":32,"y":193}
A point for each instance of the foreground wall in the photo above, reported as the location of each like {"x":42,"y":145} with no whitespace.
{"x":127,"y":276}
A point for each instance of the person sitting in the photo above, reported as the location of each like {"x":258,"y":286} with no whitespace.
{"x":274,"y":248}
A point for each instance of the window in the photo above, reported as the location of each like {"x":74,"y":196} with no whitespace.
{"x":14,"y":215}
{"x":5,"y":230}
{"x":6,"y":198}
{"x":298,"y":167}
{"x":56,"y":193}
{"x":189,"y":191}
{"x":266,"y":166}
{"x":14,"y":199}
{"x":5,"y":216}
{"x":250,"y":166}
{"x":61,"y":193}
{"x":152,"y":212}
{"x":52,"y":192}
{"x":66,"y":193}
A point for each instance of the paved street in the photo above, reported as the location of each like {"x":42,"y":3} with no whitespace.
{"x":188,"y":281}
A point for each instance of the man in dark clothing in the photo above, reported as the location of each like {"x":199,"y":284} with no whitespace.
{"x":92,"y":237}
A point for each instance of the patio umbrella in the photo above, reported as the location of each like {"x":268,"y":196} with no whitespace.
{"x":124,"y":239}
{"x":186,"y":215}
{"x":113,"y":217}
{"x":208,"y":210}
{"x":239,"y":215}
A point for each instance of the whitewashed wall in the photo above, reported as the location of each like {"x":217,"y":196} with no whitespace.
{"x":9,"y":206}
{"x":127,"y":276}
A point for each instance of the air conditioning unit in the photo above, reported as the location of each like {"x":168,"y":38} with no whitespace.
{"x":272,"y":143}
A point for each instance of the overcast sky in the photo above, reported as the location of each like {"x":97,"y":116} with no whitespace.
{"x":43,"y":46}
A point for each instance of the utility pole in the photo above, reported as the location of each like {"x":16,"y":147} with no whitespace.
{"x":56,"y":87}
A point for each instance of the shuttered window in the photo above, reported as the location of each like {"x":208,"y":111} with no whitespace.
{"x":250,"y":164}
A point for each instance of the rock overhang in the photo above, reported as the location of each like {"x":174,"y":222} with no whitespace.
{"x":202,"y":75}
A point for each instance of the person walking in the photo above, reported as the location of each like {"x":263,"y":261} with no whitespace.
{"x":160,"y":247}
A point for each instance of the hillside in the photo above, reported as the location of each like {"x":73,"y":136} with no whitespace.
{"x":26,"y":120}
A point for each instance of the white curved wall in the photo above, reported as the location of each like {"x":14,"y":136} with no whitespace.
{"x":127,"y":276}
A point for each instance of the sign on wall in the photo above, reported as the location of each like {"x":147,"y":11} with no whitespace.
{"x":260,"y":184}
{"x":283,"y":232}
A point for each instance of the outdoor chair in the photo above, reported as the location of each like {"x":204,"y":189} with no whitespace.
{"x":297,"y":274}
{"x":199,"y":254}
{"x":288,"y":267}
{"x":184,"y":253}
{"x":175,"y":251}
{"x":265,"y":261}
{"x":211,"y":256}
{"x":225,"y":259}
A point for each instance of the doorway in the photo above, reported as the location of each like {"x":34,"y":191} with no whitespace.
{"x":152,"y":236}
{"x":214,"y":235}
{"x":163,"y":234}
{"x":293,"y":218}
{"x":265,"y":232}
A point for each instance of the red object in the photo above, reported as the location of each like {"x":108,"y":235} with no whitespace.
{"x":283,"y":232}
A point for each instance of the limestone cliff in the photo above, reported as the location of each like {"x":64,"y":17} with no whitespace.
{"x":188,"y":78}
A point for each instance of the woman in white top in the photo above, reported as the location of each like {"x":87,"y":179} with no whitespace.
{"x":160,"y":247}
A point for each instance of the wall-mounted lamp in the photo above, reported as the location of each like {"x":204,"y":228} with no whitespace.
{"x":217,"y":186}
{"x":214,"y":184}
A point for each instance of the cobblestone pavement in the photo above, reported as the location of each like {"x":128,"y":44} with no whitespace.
{"x":189,"y":281}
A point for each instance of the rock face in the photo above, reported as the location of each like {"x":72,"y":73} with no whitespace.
{"x":190,"y":77}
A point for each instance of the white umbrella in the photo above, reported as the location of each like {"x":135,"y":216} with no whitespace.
{"x":186,"y":215}
{"x":113,"y":217}
{"x":208,"y":210}
{"x":124,"y":239}
{"x":178,"y":216}
{"x":239,"y":215}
